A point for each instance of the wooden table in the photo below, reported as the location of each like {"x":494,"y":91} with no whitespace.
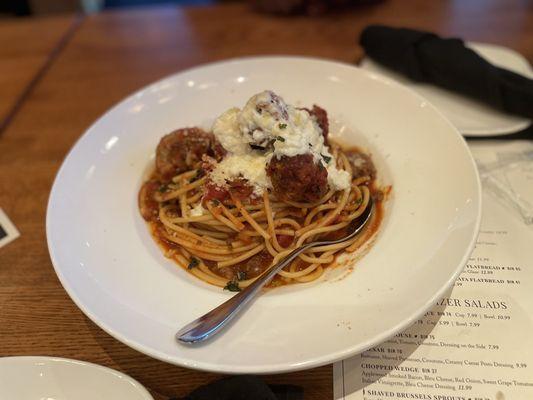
{"x":27,"y":49}
{"x":64,"y":72}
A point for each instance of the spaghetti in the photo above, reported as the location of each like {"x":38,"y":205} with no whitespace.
{"x":229,"y":236}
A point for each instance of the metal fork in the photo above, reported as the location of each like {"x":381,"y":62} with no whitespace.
{"x":212,"y":322}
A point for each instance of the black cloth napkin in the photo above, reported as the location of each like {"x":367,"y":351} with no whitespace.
{"x":425,"y":57}
{"x":244,"y":387}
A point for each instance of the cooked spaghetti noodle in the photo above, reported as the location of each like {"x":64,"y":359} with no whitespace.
{"x":236,"y":236}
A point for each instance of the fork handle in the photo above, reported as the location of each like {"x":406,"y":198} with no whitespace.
{"x":210,"y":323}
{"x":203,"y":327}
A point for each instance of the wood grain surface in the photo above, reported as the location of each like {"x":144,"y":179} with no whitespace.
{"x":26,"y":48}
{"x":109,"y":56}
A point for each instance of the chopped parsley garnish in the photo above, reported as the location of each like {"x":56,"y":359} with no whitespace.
{"x":282,"y":126}
{"x":241,"y":275}
{"x":216,"y":202}
{"x":280,"y":138}
{"x":199,"y":174}
{"x":257,"y":147}
{"x":232,"y":286}
{"x":193,"y":263}
{"x":162,"y":188}
{"x":327,"y":159}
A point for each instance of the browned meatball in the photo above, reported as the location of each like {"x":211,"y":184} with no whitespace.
{"x":219,"y":152}
{"x":275,"y":107}
{"x":248,"y":269}
{"x":147,"y":205}
{"x":257,"y":264}
{"x":298,"y":178}
{"x":322,"y":120}
{"x":361,"y":164}
{"x":183,"y":149}
{"x":321,"y":117}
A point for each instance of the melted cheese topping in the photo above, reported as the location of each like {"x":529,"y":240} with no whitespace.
{"x":251,"y":167}
{"x":198,"y":210}
{"x":267,"y":122}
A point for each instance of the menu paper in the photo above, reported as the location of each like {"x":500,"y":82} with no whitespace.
{"x":477,"y":342}
{"x":8,"y":232}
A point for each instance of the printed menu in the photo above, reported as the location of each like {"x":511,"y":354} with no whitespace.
{"x":477,"y":342}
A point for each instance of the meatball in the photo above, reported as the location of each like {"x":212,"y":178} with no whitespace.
{"x":298,"y":178}
{"x":361,"y":164}
{"x":219,"y":152}
{"x":270,"y":103}
{"x":257,"y":264}
{"x":321,"y":117}
{"x":248,"y":269}
{"x":147,"y":205}
{"x":258,"y":116}
{"x":183,"y":149}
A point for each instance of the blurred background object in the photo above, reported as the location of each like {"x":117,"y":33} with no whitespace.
{"x":282,"y":7}
{"x":39,"y":7}
{"x":130,"y":3}
{"x":12,"y":7}
{"x":308,"y":7}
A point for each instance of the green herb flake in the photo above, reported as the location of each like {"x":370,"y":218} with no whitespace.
{"x":280,"y":138}
{"x":282,"y":126}
{"x":232,"y":286}
{"x":241,"y":275}
{"x":162,"y":188}
{"x":216,"y":202}
{"x":193,"y":263}
{"x":327,"y":159}
{"x":198,"y":175}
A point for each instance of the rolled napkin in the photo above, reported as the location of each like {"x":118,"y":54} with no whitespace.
{"x":425,"y":57}
{"x":244,"y":387}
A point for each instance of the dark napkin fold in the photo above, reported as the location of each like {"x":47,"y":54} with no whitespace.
{"x":425,"y":57}
{"x":244,"y":387}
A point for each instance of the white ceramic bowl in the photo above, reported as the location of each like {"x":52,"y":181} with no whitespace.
{"x":113,"y":270}
{"x":52,"y":378}
{"x":470,"y":117}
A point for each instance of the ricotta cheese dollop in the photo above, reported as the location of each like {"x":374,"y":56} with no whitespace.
{"x":268,"y":127}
